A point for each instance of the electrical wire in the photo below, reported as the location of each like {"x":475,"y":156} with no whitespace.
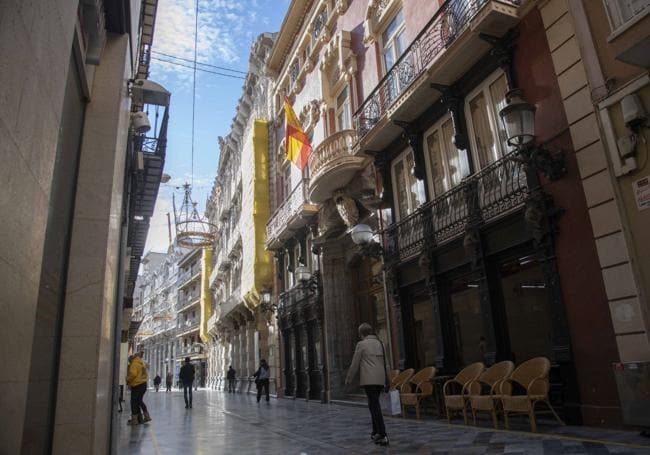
{"x":199,"y":63}
{"x":196,"y":39}
{"x":198,"y":69}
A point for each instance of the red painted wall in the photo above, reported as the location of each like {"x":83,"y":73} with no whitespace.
{"x":592,"y":334}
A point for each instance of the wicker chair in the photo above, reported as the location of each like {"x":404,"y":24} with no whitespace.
{"x":417,"y":389}
{"x":484,"y":391}
{"x":392,"y":375}
{"x":459,"y":402}
{"x":532,"y":375}
{"x":397,"y":381}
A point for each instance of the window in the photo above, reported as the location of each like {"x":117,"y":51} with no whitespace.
{"x":343,"y":110}
{"x":408,"y":191}
{"x":620,"y":12}
{"x":393,"y":41}
{"x":487,"y":134}
{"x":446,"y":166}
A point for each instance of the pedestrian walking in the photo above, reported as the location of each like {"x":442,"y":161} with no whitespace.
{"x":186,"y":377}
{"x":169,"y":380}
{"x":156,"y":382}
{"x":262,"y":376}
{"x":231,"y":379}
{"x":370,"y":361}
{"x":136,"y":379}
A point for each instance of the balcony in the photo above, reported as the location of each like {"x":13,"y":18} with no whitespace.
{"x":446,"y":48}
{"x":333,"y":164}
{"x":187,"y":303}
{"x":495,"y":191}
{"x":188,"y":326}
{"x":291,"y":215}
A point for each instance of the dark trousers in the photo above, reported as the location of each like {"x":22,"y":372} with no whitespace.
{"x":137,"y":396}
{"x":372,"y":392}
{"x":231,"y":385}
{"x":187,"y":388}
{"x":262,"y":384}
{"x":169,"y":387}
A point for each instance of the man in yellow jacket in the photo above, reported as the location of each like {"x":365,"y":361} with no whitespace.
{"x":136,"y":379}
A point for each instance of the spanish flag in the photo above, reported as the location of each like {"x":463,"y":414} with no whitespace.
{"x":298,"y":146}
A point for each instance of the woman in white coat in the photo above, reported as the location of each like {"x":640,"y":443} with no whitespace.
{"x":370,"y":361}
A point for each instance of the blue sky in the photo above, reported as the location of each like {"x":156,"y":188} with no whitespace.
{"x":227,"y":29}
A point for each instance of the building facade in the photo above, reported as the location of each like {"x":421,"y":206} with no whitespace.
{"x":80,"y":182}
{"x":485,"y":247}
{"x":603,"y":78}
{"x":238,"y":330}
{"x":324,"y":287}
{"x":157,"y":309}
{"x":188,"y":315}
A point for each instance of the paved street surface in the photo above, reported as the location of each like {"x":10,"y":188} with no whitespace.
{"x":222,"y":423}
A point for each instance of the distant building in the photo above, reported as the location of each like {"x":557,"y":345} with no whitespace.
{"x":238,"y":330}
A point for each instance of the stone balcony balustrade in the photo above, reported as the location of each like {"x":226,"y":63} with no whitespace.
{"x":292,"y":214}
{"x":333,"y":164}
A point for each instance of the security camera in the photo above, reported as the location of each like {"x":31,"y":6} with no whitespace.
{"x":634,"y":115}
{"x":140,"y":122}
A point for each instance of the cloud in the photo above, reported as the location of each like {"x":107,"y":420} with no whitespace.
{"x":224,"y":32}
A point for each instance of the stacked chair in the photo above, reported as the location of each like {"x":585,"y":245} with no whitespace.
{"x":400,"y":378}
{"x":485,"y":390}
{"x":532,"y":377}
{"x":416,"y":390}
{"x":458,"y":401}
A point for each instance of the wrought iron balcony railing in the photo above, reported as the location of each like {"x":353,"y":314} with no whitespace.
{"x":451,"y":19}
{"x":291,"y":206}
{"x":494,"y":191}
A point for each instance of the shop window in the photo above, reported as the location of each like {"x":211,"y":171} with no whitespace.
{"x":527,"y":311}
{"x":622,"y":12}
{"x":424,"y":336}
{"x":487,"y":134}
{"x":408,"y":191}
{"x":470,"y":332}
{"x":343,"y":110}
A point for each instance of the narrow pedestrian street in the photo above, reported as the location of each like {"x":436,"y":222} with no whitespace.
{"x":221,"y":423}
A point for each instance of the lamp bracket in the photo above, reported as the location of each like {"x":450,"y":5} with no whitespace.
{"x":553,"y":166}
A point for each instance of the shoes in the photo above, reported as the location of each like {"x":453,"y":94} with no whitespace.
{"x":133,"y":420}
{"x":383,"y":441}
{"x":147,"y":418}
{"x":375,"y":437}
{"x":187,"y":405}
{"x":190,"y":405}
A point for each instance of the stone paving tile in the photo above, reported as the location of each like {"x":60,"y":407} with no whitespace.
{"x":226,"y":423}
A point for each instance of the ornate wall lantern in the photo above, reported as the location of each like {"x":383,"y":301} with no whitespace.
{"x":518,"y":118}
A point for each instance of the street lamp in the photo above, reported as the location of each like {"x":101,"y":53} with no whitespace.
{"x":302,"y":274}
{"x":361,"y":234}
{"x":518,"y":119}
{"x":265,"y":301}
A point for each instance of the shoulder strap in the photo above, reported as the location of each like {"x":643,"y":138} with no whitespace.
{"x":383,"y":352}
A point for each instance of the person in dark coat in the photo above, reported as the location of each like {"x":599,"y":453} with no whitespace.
{"x":186,"y":377}
{"x":231,"y":379}
{"x":262,"y":376}
{"x":156,"y":382}
{"x":169,"y":380}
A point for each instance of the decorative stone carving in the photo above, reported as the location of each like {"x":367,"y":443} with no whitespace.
{"x":328,"y":219}
{"x":347,"y":208}
{"x":376,"y":13}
